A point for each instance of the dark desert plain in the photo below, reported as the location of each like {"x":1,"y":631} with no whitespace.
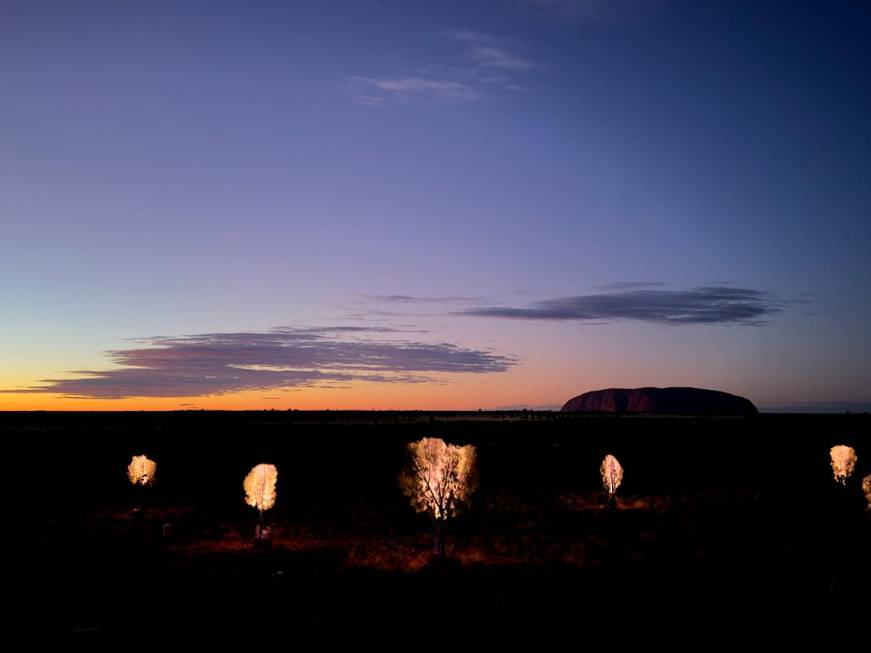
{"x":728,"y":517}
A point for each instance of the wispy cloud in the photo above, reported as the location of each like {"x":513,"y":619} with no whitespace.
{"x":406,"y":88}
{"x":630,"y":285}
{"x":488,"y":57}
{"x":593,"y":10}
{"x":702,"y":305}
{"x":374,"y":308}
{"x":466,"y":36}
{"x":411,"y":299}
{"x":484,"y":65}
{"x":583,"y":8}
{"x":216,"y":363}
{"x":483,"y":50}
{"x":366,"y":100}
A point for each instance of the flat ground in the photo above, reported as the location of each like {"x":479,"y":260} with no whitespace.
{"x":735,"y":514}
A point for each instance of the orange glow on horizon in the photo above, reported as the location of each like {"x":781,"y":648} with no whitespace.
{"x":451,"y":392}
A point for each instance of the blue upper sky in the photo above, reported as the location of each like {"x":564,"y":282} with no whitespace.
{"x":589,"y":192}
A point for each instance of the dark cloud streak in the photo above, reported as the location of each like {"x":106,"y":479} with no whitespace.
{"x":216,"y":363}
{"x":702,"y":305}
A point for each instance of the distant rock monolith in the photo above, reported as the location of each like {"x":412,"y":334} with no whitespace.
{"x":661,"y":401}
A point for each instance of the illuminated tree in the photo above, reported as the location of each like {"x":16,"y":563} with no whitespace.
{"x":843,"y":462}
{"x":259,"y":487}
{"x":439,"y":479}
{"x":866,"y":488}
{"x":141,"y":471}
{"x":612,"y":475}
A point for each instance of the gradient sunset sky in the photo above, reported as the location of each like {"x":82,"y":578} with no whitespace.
{"x":453,"y":205}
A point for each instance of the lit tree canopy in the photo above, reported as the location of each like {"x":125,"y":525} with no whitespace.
{"x":612,"y":474}
{"x":141,"y":471}
{"x":843,"y":462}
{"x":260,"y":487}
{"x":439,"y":477}
{"x":866,"y":488}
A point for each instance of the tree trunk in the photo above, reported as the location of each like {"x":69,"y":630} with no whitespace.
{"x":439,"y":539}
{"x":258,"y":530}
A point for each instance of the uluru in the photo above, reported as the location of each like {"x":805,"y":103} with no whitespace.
{"x":661,"y":401}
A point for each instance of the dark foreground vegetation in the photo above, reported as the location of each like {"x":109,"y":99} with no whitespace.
{"x":727,"y":517}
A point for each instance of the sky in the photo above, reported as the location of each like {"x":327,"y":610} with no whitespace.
{"x":432,"y":205}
